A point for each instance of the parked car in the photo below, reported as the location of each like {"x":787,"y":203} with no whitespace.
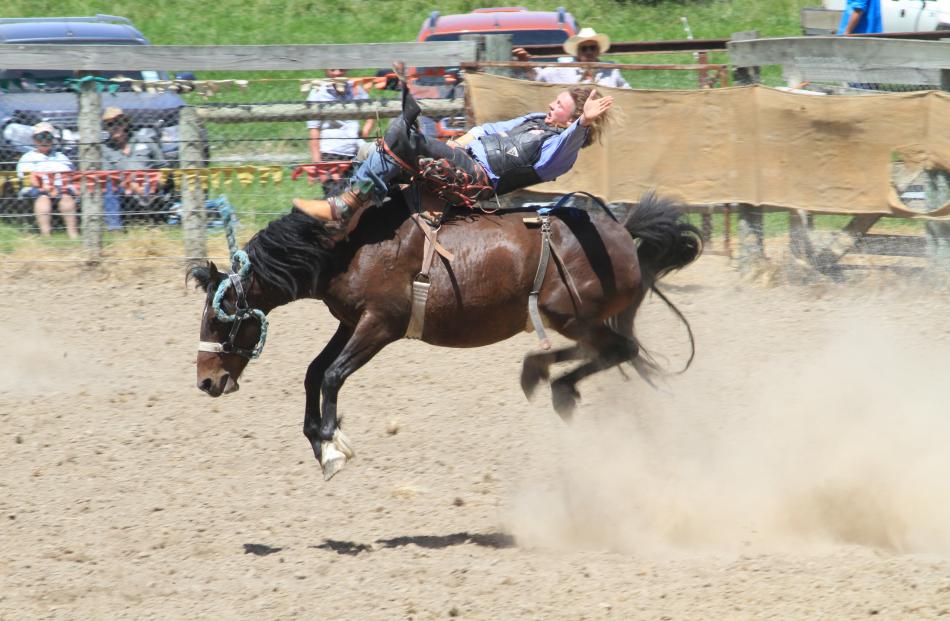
{"x":905,"y":15}
{"x":30,"y":96}
{"x":525,"y":27}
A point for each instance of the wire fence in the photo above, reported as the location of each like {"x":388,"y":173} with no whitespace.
{"x":256,"y":166}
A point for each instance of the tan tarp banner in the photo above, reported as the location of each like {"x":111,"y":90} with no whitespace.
{"x":752,"y":144}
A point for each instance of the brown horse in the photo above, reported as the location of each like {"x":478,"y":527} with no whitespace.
{"x":590,"y":294}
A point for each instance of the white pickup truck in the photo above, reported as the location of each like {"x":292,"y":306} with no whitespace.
{"x":907,"y":15}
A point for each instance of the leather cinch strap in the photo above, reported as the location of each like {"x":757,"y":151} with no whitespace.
{"x":533,"y":311}
{"x":420,"y":286}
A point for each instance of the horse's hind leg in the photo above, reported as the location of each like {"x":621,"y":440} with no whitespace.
{"x":537,"y":367}
{"x":611,"y":348}
{"x":314,"y":381}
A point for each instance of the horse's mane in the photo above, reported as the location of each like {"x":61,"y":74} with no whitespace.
{"x":290,"y":253}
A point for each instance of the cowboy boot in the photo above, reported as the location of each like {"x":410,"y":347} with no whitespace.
{"x":338,"y":213}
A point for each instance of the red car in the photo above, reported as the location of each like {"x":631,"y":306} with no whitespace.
{"x":525,"y":27}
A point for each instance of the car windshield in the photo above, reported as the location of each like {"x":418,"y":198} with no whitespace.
{"x":435,"y":75}
{"x":518,"y":37}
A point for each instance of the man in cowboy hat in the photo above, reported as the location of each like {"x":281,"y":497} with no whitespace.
{"x":124,"y":150}
{"x":586,"y":46}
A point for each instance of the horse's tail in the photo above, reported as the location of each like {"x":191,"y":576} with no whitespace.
{"x":666,"y":242}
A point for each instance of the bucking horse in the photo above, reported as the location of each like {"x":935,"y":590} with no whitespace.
{"x":485,"y":277}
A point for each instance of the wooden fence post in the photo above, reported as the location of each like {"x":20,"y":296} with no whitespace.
{"x":498,"y":47}
{"x":751,"y":230}
{"x":90,"y":158}
{"x":937,"y":192}
{"x":492,"y":47}
{"x":193,"y":224}
{"x":745,"y":75}
{"x":938,"y":233}
{"x":751,"y":239}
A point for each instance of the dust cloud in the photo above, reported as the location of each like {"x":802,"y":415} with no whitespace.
{"x":35,"y":361}
{"x":844,"y":443}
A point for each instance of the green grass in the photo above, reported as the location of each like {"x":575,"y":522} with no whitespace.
{"x":10,"y":237}
{"x":775,"y":224}
{"x":191,"y":22}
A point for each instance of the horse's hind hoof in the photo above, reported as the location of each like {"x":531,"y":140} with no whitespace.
{"x":564,"y":397}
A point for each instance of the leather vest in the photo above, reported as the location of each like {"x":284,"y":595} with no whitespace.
{"x":512,"y":155}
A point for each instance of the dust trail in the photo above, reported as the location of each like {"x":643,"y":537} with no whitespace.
{"x":34,"y":360}
{"x":843,"y":443}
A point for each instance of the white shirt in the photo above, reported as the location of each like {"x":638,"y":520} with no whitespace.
{"x":572,"y":75}
{"x":338,"y":137}
{"x":34,"y":161}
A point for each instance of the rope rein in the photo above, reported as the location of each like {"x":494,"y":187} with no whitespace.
{"x":240,"y":268}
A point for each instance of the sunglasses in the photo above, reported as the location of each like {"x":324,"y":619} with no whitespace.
{"x":592,"y":47}
{"x":114,"y":124}
{"x":43,"y":137}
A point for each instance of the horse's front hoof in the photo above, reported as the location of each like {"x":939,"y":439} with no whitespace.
{"x":343,"y":444}
{"x":332,"y":460}
{"x":333,"y":454}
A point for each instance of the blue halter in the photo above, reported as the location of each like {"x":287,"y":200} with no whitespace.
{"x":241,"y":312}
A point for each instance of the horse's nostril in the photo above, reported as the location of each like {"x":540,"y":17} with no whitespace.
{"x":205,"y":385}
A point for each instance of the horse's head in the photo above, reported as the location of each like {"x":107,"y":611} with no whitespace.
{"x":232,"y":333}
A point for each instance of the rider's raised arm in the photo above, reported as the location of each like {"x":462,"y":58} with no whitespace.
{"x":558,"y":153}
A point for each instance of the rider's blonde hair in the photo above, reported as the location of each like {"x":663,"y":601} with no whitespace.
{"x":579,"y":95}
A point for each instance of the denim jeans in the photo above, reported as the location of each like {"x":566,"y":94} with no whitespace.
{"x":112,"y":207}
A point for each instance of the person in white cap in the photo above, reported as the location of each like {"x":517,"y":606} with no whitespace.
{"x":586,"y":46}
{"x":337,"y":140}
{"x":37,"y":170}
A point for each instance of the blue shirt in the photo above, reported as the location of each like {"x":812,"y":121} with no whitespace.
{"x":558,"y":152}
{"x":870,"y":19}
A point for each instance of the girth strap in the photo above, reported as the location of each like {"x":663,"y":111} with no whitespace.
{"x":533,"y":311}
{"x":420,"y":285}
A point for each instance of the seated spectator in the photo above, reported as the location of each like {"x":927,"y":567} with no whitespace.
{"x":37,"y":171}
{"x":586,"y":46}
{"x":123,"y":151}
{"x":337,"y":141}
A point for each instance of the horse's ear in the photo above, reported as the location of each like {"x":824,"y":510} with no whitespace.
{"x":205,"y":277}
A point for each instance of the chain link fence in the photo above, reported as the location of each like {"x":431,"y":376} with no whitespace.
{"x":259,"y":142}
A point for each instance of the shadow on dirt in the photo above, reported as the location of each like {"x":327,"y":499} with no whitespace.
{"x":259,"y":549}
{"x":432,"y":542}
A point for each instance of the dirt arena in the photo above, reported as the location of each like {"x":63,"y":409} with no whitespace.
{"x":799,"y":470}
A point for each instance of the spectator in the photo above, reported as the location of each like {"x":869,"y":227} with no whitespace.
{"x":44,"y":186}
{"x":861,"y":16}
{"x":337,"y":141}
{"x":586,"y":46}
{"x":123,"y":151}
